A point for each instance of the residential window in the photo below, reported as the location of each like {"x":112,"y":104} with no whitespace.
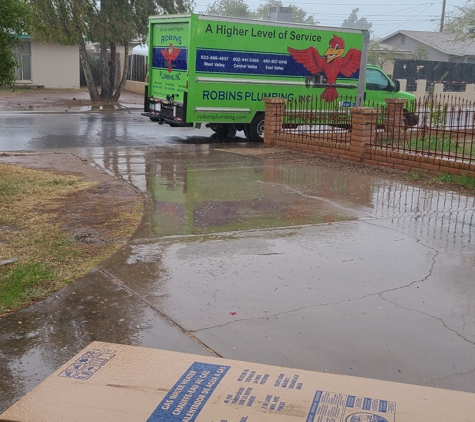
{"x":23,"y":54}
{"x":403,"y":39}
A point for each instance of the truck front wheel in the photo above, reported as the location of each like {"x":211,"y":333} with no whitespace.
{"x":255,"y":130}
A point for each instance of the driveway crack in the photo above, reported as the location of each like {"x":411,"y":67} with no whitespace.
{"x":430,"y":316}
{"x":425,"y":380}
{"x":429,"y":273}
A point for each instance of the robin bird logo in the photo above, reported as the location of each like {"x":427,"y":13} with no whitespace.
{"x":331,"y":64}
{"x":170,"y":54}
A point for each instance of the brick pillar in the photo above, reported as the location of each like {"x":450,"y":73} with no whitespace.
{"x":273,"y":119}
{"x":394,"y":124}
{"x":363,"y":130}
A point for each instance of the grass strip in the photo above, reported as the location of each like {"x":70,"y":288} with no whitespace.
{"x":32,"y":231}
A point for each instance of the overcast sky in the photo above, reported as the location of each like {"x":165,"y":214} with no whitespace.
{"x":386,"y":16}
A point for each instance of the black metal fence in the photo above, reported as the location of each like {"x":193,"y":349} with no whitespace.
{"x":312,"y":117}
{"x":445,"y":129}
{"x":437,"y":126}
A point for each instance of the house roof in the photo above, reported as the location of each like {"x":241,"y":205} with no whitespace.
{"x":452,"y":44}
{"x":382,"y":47}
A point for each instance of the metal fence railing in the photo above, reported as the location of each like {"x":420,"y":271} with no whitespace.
{"x":311,"y":117}
{"x":445,"y":129}
{"x":137,"y":68}
{"x":437,"y":126}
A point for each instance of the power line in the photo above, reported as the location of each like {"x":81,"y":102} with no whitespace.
{"x":409,"y":20}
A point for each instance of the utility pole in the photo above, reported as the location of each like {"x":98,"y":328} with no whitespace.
{"x":443,"y":16}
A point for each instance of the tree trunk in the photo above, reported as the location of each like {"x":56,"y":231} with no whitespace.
{"x":91,"y":86}
{"x":106,"y":90}
{"x":113,"y":66}
{"x":125,"y":72}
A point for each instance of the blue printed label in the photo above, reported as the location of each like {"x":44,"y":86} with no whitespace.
{"x":248,"y":63}
{"x":350,"y":401}
{"x":88,"y":364}
{"x":170,"y":58}
{"x":243,"y":62}
{"x":188,"y":396}
{"x":330,"y":407}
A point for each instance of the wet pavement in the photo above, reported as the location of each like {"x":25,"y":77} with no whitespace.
{"x":252,"y":258}
{"x":55,"y":131}
{"x":47,"y":126}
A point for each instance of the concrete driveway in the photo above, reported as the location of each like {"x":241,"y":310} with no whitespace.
{"x":247,"y":255}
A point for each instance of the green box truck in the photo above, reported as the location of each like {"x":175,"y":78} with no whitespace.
{"x":214,"y":70}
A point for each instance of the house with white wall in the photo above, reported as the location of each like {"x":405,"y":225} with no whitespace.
{"x":47,"y":64}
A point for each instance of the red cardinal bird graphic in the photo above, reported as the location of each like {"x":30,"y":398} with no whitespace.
{"x":331,"y":64}
{"x":170,"y":56}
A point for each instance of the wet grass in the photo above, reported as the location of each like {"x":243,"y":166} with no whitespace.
{"x":441,"y":144}
{"x":461,"y":184}
{"x":465,"y":181}
{"x":46,"y":256}
{"x":23,"y":280}
{"x":415,"y":175}
{"x":32,"y":236}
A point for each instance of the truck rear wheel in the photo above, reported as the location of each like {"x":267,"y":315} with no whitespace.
{"x":255,"y":130}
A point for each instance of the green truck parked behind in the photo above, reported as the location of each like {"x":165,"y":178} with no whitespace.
{"x":216,"y":71}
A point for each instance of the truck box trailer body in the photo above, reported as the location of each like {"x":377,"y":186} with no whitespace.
{"x":216,"y":71}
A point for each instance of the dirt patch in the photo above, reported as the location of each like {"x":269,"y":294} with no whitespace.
{"x":92,"y":210}
{"x":41,"y":99}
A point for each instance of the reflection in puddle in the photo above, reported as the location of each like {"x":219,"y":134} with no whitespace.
{"x":101,"y":107}
{"x":196,"y":190}
{"x":441,"y":218}
{"x":190,"y":198}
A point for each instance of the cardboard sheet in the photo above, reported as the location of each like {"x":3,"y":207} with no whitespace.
{"x":112,"y":382}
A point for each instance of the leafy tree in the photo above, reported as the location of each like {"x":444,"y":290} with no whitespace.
{"x":353,"y":22}
{"x":298,"y":14}
{"x":421,"y":52}
{"x":110,"y":23}
{"x":462,"y":21}
{"x":234,"y":8}
{"x":13,"y":22}
{"x":378,"y":54}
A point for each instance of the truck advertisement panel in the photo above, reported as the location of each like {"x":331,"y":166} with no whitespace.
{"x":169,"y":51}
{"x":238,"y":63}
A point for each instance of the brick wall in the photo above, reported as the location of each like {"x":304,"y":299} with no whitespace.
{"x":359,"y":150}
